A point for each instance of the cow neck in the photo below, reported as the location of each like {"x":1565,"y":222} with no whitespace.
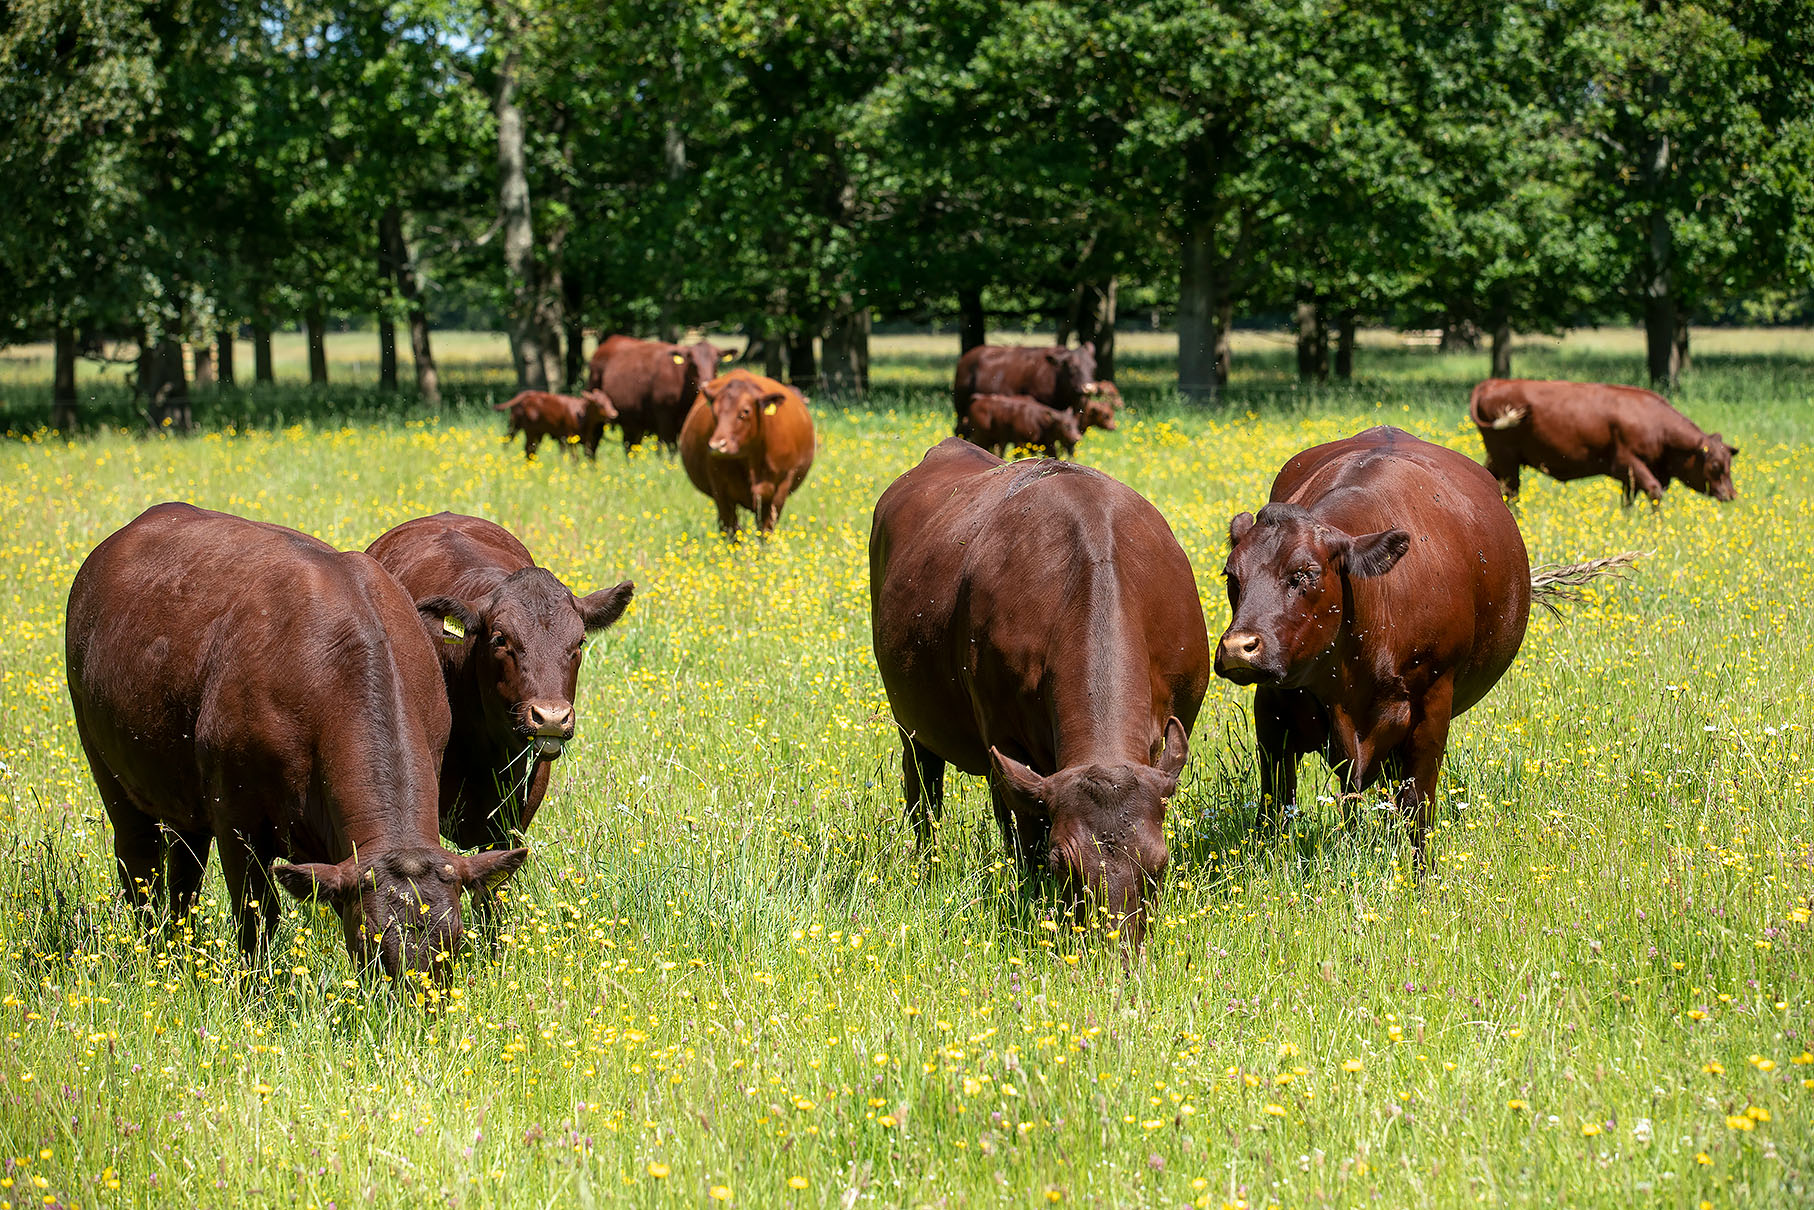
{"x":385,"y":790}
{"x":1101,"y":699}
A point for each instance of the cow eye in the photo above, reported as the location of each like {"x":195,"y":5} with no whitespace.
{"x":500,"y":641}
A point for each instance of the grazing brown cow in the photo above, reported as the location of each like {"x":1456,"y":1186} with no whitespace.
{"x":996,"y":422}
{"x":511,"y":638}
{"x":566,"y":418}
{"x":1381,"y":593}
{"x":1100,"y":404}
{"x":1038,"y":622}
{"x":1570,"y":430}
{"x":239,"y":680}
{"x":748,"y":443}
{"x":652,"y":384}
{"x":1058,"y":377}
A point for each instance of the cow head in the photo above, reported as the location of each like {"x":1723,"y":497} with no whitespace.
{"x":739,"y":404}
{"x":1061,"y":428}
{"x":521,"y":646}
{"x":1288,"y":579}
{"x":401,"y":908}
{"x":1106,"y":847}
{"x":1099,"y":405}
{"x":599,"y":405}
{"x":700,"y":361}
{"x":1075,"y":372}
{"x":1707,"y":468}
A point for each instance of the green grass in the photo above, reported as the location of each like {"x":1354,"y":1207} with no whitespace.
{"x":1598,"y":999}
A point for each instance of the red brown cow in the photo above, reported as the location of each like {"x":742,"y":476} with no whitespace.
{"x":566,"y":418}
{"x":1038,"y":622}
{"x":748,"y":443}
{"x":511,"y":638}
{"x":1381,"y":593}
{"x":242,"y":681}
{"x":1570,"y":430}
{"x":1100,"y":404}
{"x":652,"y":384}
{"x":1058,"y":377}
{"x":996,"y":422}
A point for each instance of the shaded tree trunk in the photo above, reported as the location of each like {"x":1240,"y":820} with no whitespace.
{"x":1681,"y":340}
{"x":168,"y":388}
{"x":1225,"y":349}
{"x":1344,"y":346}
{"x":1200,"y":287}
{"x":1313,"y":341}
{"x":387,"y":352}
{"x":802,"y":369}
{"x":847,"y":351}
{"x":528,"y":339}
{"x":1502,"y":349}
{"x":1095,"y":314}
{"x":1660,"y":312}
{"x":972,"y":320}
{"x":1458,"y":335}
{"x":428,"y":378}
{"x":63,"y":382}
{"x":387,"y":327}
{"x":261,"y":354}
{"x":145,"y":374}
{"x":573,"y":309}
{"x":316,"y":325}
{"x":204,"y":365}
{"x":223,"y":372}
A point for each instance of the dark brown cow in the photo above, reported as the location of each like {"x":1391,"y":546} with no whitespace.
{"x":652,"y":384}
{"x":239,"y":680}
{"x":1570,"y":430}
{"x":748,"y":443}
{"x":511,"y":638}
{"x":1381,"y":593}
{"x":566,"y":418}
{"x":1100,"y":404}
{"x":996,"y":422}
{"x":1038,"y":622}
{"x":1058,"y":377}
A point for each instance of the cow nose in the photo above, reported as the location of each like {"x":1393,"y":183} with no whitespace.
{"x":1241,"y":648}
{"x":716,"y":445}
{"x":551,"y":718}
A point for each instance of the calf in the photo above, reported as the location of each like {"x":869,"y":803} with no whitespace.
{"x":996,"y":422}
{"x":1100,"y":404}
{"x":511,"y":638}
{"x":538,"y":414}
{"x":239,"y":680}
{"x":748,"y":443}
{"x":652,"y":384}
{"x":1570,"y":430}
{"x":1381,"y":593}
{"x":1038,"y":622}
{"x":1058,"y":377}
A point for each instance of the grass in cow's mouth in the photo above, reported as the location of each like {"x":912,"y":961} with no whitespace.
{"x":726,"y":974}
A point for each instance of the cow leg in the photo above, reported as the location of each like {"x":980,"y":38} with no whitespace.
{"x":245,"y":863}
{"x":1025,"y":839}
{"x":1503,"y":467}
{"x":762,"y":496}
{"x":727,"y":515}
{"x":923,"y":777}
{"x":531,"y":439}
{"x":1287,"y":724}
{"x":1421,"y":760}
{"x":138,"y":846}
{"x":778,"y":500}
{"x":186,"y":857}
{"x":1635,"y":477}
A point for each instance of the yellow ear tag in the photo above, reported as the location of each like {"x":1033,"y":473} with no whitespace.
{"x":679,"y":360}
{"x":770,"y":409}
{"x":453,"y":630}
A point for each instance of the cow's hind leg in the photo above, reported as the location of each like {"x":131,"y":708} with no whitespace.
{"x":1420,"y":759}
{"x":245,"y":863}
{"x":923,"y":777}
{"x":138,"y":849}
{"x":186,"y":859}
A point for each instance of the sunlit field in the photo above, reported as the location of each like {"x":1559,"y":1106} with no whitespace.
{"x":726,"y":976}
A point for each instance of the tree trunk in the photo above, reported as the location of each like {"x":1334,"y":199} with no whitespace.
{"x":428,"y":379}
{"x":1225,"y":348}
{"x":972,"y":320}
{"x":1313,"y":341}
{"x":802,"y":370}
{"x":168,"y":388}
{"x":318,"y":353}
{"x":387,"y":352}
{"x":526,"y":334}
{"x":1199,"y":335}
{"x":63,"y":382}
{"x":1344,"y":346}
{"x":847,"y":351}
{"x":145,"y":373}
{"x":261,"y":354}
{"x":1502,"y":349}
{"x":573,"y":310}
{"x":1660,"y":312}
{"x":674,"y":161}
{"x":1095,"y":314}
{"x":223,"y":372}
{"x":204,"y":365}
{"x":1681,"y":340}
{"x":387,"y":327}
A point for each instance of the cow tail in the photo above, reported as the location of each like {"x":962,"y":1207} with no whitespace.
{"x":1554,"y":583}
{"x":1510,"y":418}
{"x":503,"y":407}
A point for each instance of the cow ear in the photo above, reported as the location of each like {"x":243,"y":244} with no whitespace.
{"x":318,"y":880}
{"x":605,"y":406}
{"x":725,"y":354}
{"x":605,"y":606}
{"x":1373,"y":554}
{"x":1088,"y":346}
{"x":492,"y":869}
{"x":1017,"y":776}
{"x":772,"y":401}
{"x":450,"y":622}
{"x":1238,"y":527}
{"x":1177,"y":748}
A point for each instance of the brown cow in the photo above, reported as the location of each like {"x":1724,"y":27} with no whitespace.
{"x":996,"y":422}
{"x":1058,"y":377}
{"x":566,"y":418}
{"x":1100,"y":403}
{"x":1038,"y":622}
{"x":511,"y":638}
{"x":239,"y":680}
{"x":652,"y":384}
{"x":1381,"y":593}
{"x":748,"y":443}
{"x":1570,"y":430}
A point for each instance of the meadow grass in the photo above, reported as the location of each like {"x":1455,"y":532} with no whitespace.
{"x":726,"y":976}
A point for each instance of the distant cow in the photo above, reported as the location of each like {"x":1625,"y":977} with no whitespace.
{"x":996,"y":422}
{"x":511,"y":638}
{"x":748,"y":443}
{"x":1381,"y":593}
{"x":239,"y":680}
{"x":1100,"y":403}
{"x":1038,"y":622}
{"x":652,"y":384}
{"x":566,"y":418}
{"x":1570,"y":430}
{"x":1058,"y":377}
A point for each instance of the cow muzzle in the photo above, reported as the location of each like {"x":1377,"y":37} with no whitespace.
{"x":1241,"y":657}
{"x":550,"y":726}
{"x":723,"y":447}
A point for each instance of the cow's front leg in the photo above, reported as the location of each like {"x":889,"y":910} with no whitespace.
{"x":1287,"y":723}
{"x":1421,"y":755}
{"x":727,"y":513}
{"x":1362,"y":749}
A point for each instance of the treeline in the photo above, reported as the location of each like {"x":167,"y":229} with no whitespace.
{"x":175,"y":172}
